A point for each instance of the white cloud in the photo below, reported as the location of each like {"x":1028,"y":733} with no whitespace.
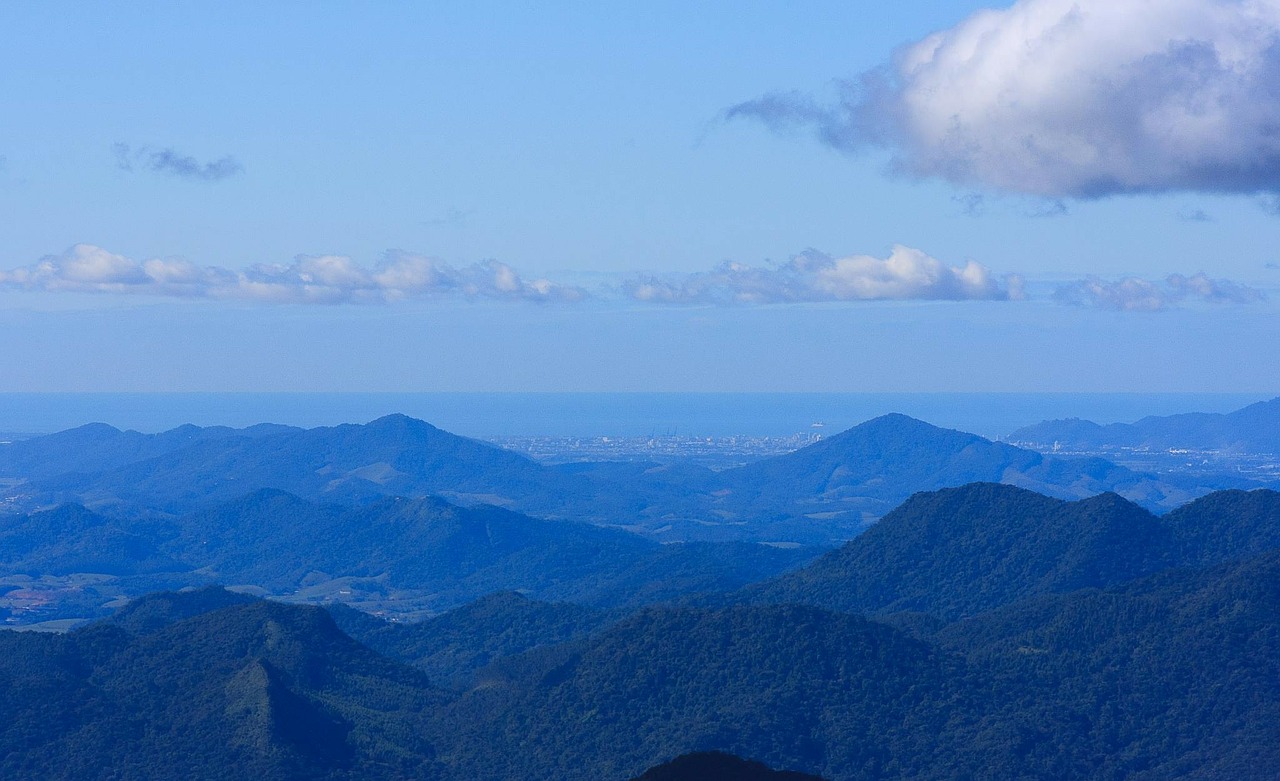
{"x":1073,"y":98}
{"x":324,"y":279}
{"x":811,"y":276}
{"x":1133,"y":294}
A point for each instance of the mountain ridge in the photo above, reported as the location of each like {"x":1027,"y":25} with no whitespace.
{"x":824,"y":493}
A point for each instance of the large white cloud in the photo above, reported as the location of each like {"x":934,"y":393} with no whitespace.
{"x":325,"y":279}
{"x":1073,"y":98}
{"x":810,"y":277}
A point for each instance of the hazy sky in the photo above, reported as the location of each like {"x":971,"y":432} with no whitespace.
{"x":1054,"y":195}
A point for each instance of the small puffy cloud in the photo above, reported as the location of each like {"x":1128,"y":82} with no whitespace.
{"x":907,"y":274}
{"x":1133,"y":294}
{"x":173,"y":163}
{"x":1071,"y":99}
{"x":322,"y":279}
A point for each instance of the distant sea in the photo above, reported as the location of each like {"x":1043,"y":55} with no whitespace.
{"x":598,"y":414}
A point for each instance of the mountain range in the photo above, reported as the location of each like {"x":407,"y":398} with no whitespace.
{"x":409,"y":557}
{"x":1046,"y":639}
{"x":960,"y":551}
{"x":1253,"y":429}
{"x":821,"y":494}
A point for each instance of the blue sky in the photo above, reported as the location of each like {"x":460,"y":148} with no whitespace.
{"x":584,"y":196}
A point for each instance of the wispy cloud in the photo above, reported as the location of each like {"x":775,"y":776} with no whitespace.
{"x":453,"y":217}
{"x":1133,"y":294}
{"x":971,"y":204}
{"x":907,"y":274}
{"x":326,"y":279}
{"x":170,"y":162}
{"x":1069,"y":99}
{"x":1195,"y":215}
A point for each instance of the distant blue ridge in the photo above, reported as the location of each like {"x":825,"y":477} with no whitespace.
{"x":991,"y":415}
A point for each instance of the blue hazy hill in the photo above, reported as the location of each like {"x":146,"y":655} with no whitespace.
{"x":821,"y":494}
{"x":1253,"y":429}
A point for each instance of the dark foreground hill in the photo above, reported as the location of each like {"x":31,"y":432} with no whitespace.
{"x":256,"y":691}
{"x":961,"y":551}
{"x":451,"y":647}
{"x":718,"y":766}
{"x":1097,"y":672}
{"x":1172,"y":676}
{"x":822,"y":493}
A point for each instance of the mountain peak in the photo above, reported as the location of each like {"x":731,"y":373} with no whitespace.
{"x":896,"y":420}
{"x":94,"y":429}
{"x":398,"y":421}
{"x":989,"y":543}
{"x":896,"y":426}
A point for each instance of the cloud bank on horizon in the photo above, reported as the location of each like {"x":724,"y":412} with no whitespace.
{"x":1133,"y":294}
{"x":324,"y":279}
{"x":1070,"y":99}
{"x":907,"y":274}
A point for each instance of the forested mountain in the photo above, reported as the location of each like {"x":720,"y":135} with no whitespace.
{"x":821,"y":494}
{"x":450,"y":647}
{"x":70,"y":539}
{"x":960,"y":551}
{"x":256,"y":691}
{"x":1097,"y":645}
{"x":411,"y":556}
{"x":1225,"y":525}
{"x":1172,"y":676}
{"x":1255,"y":429}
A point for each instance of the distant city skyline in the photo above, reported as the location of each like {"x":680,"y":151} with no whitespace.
{"x":1045,"y":196}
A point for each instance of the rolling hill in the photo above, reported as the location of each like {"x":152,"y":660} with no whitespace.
{"x":963,"y":550}
{"x":960,"y":551}
{"x":402,"y":556}
{"x":822,"y":494}
{"x":1085,"y":639}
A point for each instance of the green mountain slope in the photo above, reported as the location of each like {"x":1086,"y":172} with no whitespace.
{"x":260,"y":690}
{"x":1084,"y":668}
{"x":963,"y":550}
{"x":450,"y":647}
